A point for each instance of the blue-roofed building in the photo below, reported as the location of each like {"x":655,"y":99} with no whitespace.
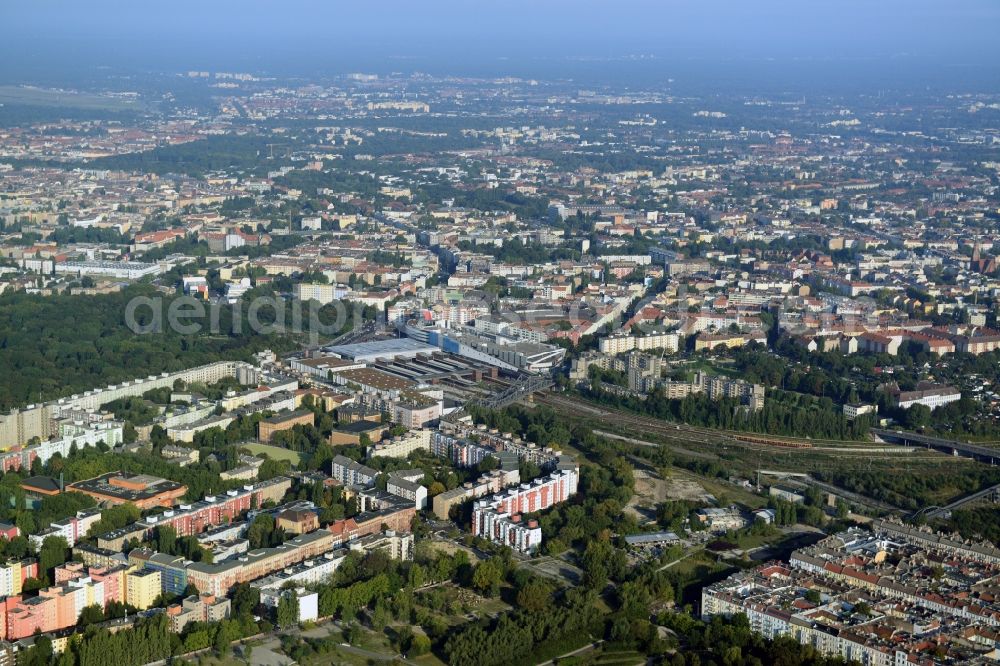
{"x":173,"y":574}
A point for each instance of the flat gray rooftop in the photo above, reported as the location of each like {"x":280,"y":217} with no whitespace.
{"x":382,"y":349}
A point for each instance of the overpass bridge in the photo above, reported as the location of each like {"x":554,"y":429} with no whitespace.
{"x":977,"y":452}
{"x":522,"y":387}
{"x":985,"y":454}
{"x":992,"y":494}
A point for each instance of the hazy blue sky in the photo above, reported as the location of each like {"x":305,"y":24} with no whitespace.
{"x":307,"y":35}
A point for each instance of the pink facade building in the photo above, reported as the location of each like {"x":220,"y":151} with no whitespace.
{"x":58,"y":607}
{"x":190,"y":519}
{"x":498,"y":518}
{"x":217,"y":510}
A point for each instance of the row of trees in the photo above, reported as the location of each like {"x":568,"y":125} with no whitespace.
{"x":516,"y":251}
{"x":540,"y":425}
{"x":195,"y":158}
{"x":775,"y":418}
{"x":850,"y":378}
{"x":148,"y":641}
{"x":263,"y":533}
{"x":32,"y":516}
{"x":166,"y":541}
{"x":978,"y":522}
{"x":516,"y":635}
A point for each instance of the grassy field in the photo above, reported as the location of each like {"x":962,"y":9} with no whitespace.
{"x":609,"y":655}
{"x":698,"y":364}
{"x":376,"y":647}
{"x":728,"y":490}
{"x":456,"y":605}
{"x":273,"y":452}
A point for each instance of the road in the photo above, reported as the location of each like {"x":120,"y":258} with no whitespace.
{"x":951,"y":447}
{"x":556,"y":568}
{"x":354,"y":335}
{"x":585,"y":648}
{"x":689,"y":553}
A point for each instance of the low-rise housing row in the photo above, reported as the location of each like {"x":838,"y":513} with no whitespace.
{"x":896,"y":595}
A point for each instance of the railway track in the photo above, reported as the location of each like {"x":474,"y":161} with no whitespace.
{"x":670,"y":431}
{"x":684,"y":440}
{"x":715,"y":444}
{"x":748,"y":442}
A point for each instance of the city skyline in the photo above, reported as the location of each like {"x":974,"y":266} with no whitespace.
{"x":777,"y":39}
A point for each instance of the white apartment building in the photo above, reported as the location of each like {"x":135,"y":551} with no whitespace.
{"x":128,"y":270}
{"x":929,"y":395}
{"x":81,"y":436}
{"x":316,"y":570}
{"x":498,"y":518}
{"x":853,"y":411}
{"x":617,"y":344}
{"x":412,"y":415}
{"x":351,"y":473}
{"x":406,"y":484}
{"x":503,"y":528}
{"x":322,"y":293}
{"x":402,"y":446}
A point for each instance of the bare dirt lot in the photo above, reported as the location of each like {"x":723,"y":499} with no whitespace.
{"x":651,"y":489}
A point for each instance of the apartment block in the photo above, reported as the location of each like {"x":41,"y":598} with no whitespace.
{"x":407,"y":484}
{"x":58,"y":607}
{"x":171,"y":568}
{"x":498,"y":518}
{"x":391,"y":512}
{"x":491,"y":482}
{"x":351,"y":473}
{"x":13,"y":575}
{"x":926,"y":393}
{"x":190,"y":519}
{"x":413,"y":413}
{"x":280,"y":422}
{"x":467,"y":445}
{"x":142,"y":587}
{"x":922,"y":593}
{"x":395,"y":545}
{"x":220,"y":577}
{"x":403,"y":445}
{"x":88,"y":435}
{"x":617,"y":344}
{"x":201,"y":608}
{"x":297,"y":521}
{"x":315,"y":570}
{"x":306,"y":601}
{"x":716,"y":388}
